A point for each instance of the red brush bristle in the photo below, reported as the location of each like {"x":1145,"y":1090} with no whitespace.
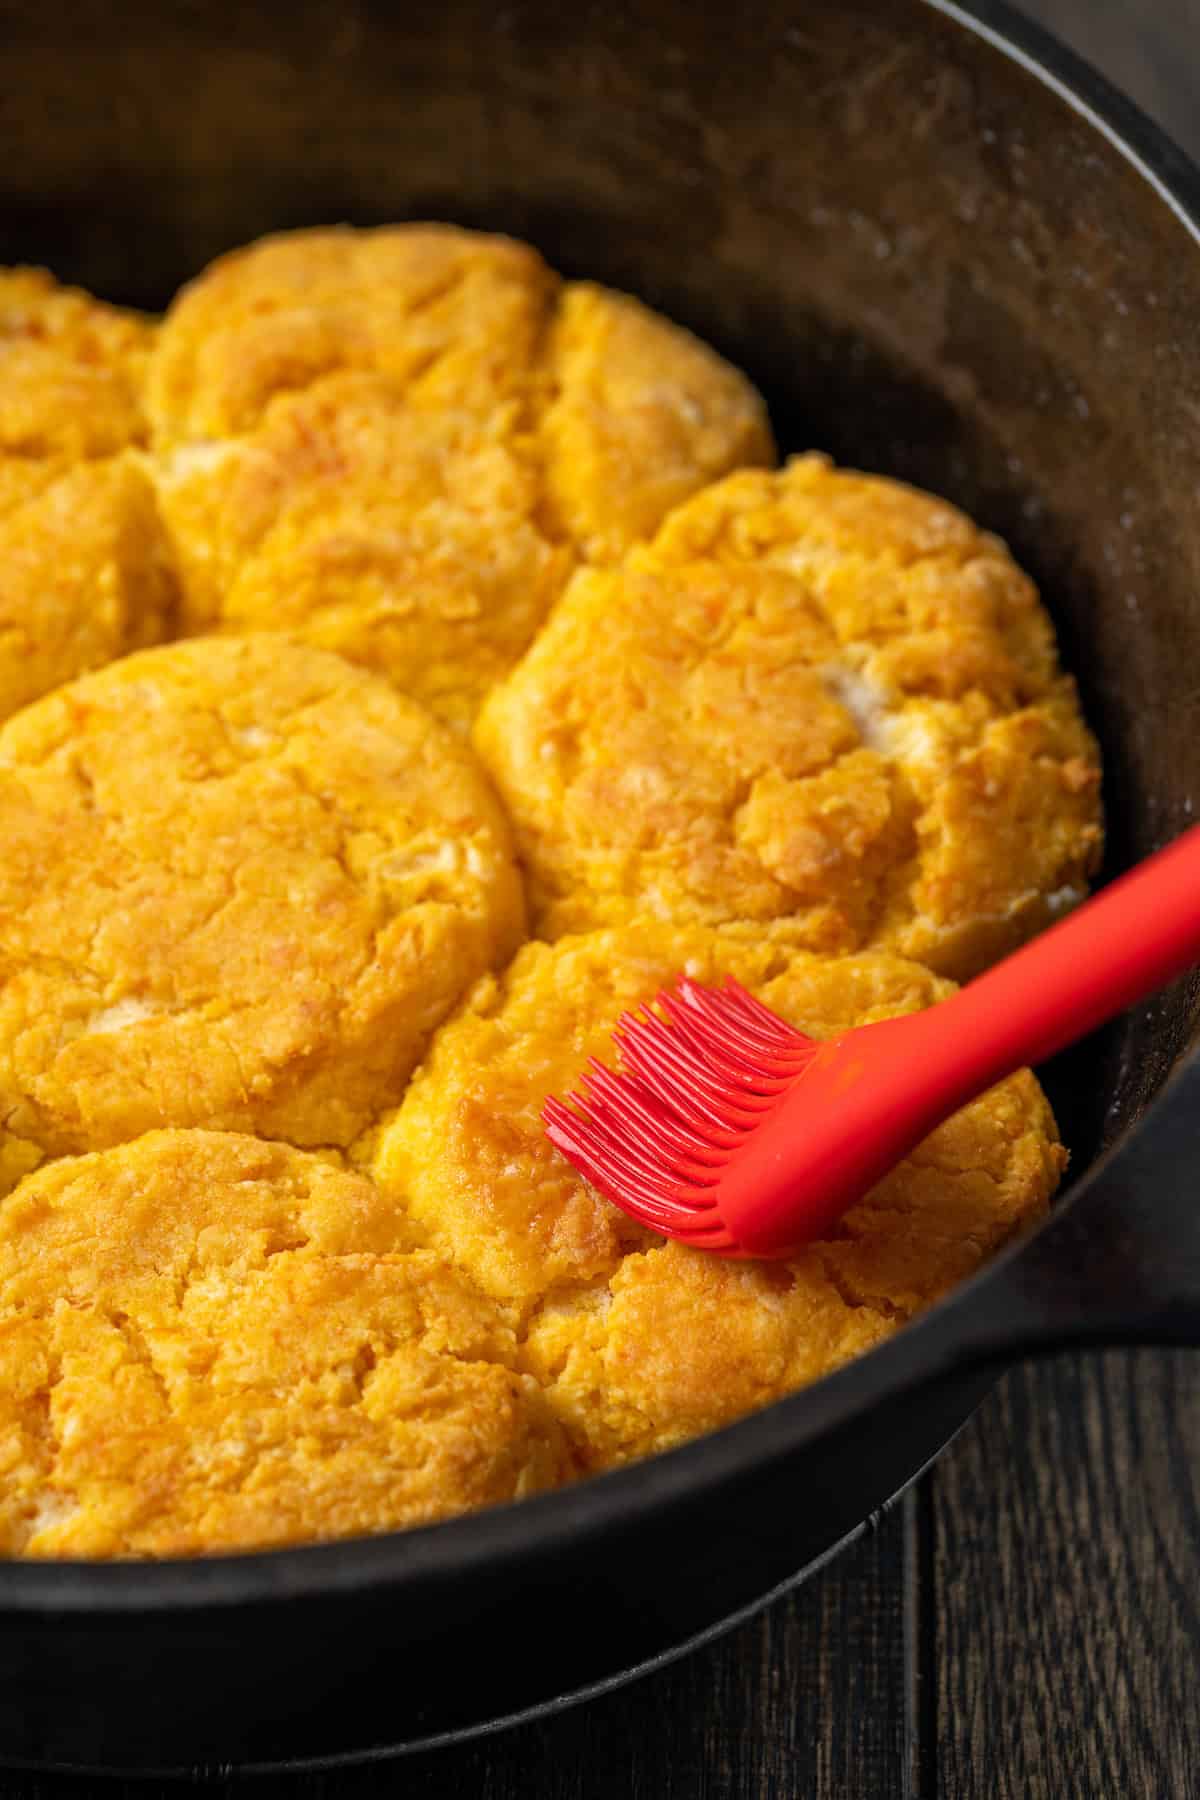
{"x":699,"y":1073}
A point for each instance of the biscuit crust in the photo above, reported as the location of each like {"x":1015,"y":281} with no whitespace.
{"x":86,"y":572}
{"x":817,"y":703}
{"x":210,"y":1343}
{"x":408,"y":540}
{"x":72,"y":370}
{"x":242,"y":884}
{"x":400,"y":442}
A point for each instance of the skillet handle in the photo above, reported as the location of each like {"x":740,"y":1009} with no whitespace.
{"x":1120,"y":1262}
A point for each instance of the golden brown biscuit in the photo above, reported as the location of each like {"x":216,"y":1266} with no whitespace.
{"x":455,"y":315}
{"x":401,"y":441}
{"x":406,"y":539}
{"x":85,"y":572}
{"x":71,"y":370}
{"x":210,"y":1343}
{"x":642,"y":1344}
{"x":641,"y":415}
{"x":818,"y":703}
{"x":242,"y":882}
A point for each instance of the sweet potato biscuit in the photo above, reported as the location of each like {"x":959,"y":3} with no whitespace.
{"x":71,"y":370}
{"x":85,"y":571}
{"x":401,"y":441}
{"x":639,"y":416}
{"x":210,"y":1343}
{"x":406,"y":539}
{"x":817,"y":703}
{"x":457,"y":316}
{"x":242,"y":882}
{"x":641,"y":1344}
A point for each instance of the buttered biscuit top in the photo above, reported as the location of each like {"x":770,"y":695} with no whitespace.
{"x":208,"y":1342}
{"x":86,"y":569}
{"x":72,"y":371}
{"x":641,"y":1343}
{"x":818,"y":705}
{"x":242,"y":883}
{"x":398,"y":443}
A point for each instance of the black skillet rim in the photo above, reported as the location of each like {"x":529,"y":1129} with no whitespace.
{"x":613,"y":1500}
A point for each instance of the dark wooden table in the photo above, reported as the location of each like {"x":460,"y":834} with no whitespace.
{"x":1025,"y":1627}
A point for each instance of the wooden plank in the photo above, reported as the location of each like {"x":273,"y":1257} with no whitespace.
{"x":1067,"y":1568}
{"x":1149,"y":52}
{"x":919,"y":1763}
{"x":805,"y":1700}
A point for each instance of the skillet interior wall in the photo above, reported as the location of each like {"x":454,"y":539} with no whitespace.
{"x":928,"y":271}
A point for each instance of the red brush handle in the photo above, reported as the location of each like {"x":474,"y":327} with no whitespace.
{"x":866,"y":1100}
{"x":1127,"y":942}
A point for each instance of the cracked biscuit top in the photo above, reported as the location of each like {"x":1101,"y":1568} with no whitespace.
{"x":408,"y":541}
{"x":642,"y":1343}
{"x":211,"y":1343}
{"x":819,"y":704}
{"x":71,"y":370}
{"x":399,"y":443}
{"x":85,"y":571}
{"x":242,"y":882}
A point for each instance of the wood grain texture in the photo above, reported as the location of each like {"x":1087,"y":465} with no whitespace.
{"x":1151,"y":52}
{"x":1067,"y":1582}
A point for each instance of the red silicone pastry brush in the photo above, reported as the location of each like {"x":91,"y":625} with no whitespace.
{"x":730,"y":1130}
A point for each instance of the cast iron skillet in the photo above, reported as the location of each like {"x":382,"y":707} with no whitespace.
{"x":945,"y":250}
